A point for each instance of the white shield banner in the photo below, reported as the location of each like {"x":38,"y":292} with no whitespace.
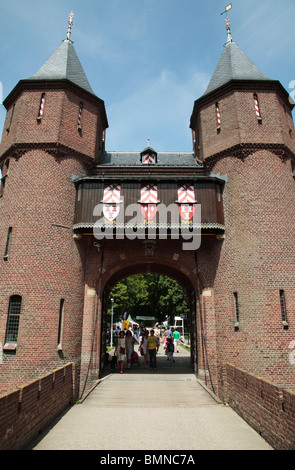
{"x":111,"y":211}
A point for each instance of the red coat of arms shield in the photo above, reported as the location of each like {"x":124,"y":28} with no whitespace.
{"x":149,"y":211}
{"x":186,"y":211}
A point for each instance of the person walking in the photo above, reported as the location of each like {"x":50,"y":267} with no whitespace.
{"x":129,"y":346}
{"x":121,"y":350}
{"x":153,"y":347}
{"x":144,"y":346}
{"x":176,"y":335}
{"x":170,"y":350}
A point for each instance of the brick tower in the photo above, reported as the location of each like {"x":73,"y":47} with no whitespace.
{"x":54,"y":130}
{"x":243,"y":128}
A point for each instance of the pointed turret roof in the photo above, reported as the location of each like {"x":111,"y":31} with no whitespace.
{"x":233,"y":65}
{"x":64,"y":64}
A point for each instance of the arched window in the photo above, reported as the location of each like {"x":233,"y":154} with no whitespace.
{"x":13,"y":319}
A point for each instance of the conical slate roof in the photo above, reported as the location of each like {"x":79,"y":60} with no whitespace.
{"x":233,"y":65}
{"x":64,"y":64}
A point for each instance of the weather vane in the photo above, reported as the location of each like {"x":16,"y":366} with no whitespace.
{"x":227,"y":23}
{"x":70,"y":23}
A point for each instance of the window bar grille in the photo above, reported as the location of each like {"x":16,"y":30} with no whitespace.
{"x":283,"y":306}
{"x":13,"y":319}
{"x":237,"y":312}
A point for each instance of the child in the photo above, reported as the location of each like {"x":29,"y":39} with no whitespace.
{"x":170,"y":350}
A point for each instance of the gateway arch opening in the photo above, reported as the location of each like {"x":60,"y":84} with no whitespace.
{"x":145,"y":303}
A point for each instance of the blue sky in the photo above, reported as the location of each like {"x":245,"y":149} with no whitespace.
{"x":149,"y":60}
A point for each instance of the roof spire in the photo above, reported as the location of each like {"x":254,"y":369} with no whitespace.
{"x":70,"y":23}
{"x":227,"y":23}
{"x":229,"y":36}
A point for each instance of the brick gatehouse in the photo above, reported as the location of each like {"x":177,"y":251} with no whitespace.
{"x":56,"y":276}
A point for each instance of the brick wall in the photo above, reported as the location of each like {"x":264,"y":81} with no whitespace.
{"x":25,"y":411}
{"x":269,"y":409}
{"x":256,"y":261}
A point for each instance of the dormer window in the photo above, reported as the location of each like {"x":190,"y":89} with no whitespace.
{"x":148,"y":156}
{"x":149,"y":159}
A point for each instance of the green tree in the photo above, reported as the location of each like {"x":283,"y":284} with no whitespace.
{"x":148,"y":295}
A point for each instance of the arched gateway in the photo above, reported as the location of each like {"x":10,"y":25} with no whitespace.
{"x":76,"y":218}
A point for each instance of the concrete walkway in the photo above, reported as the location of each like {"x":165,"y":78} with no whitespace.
{"x":143,"y":409}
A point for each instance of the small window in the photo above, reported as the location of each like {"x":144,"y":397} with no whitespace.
{"x":10,"y":119}
{"x":13,"y":319}
{"x":237,"y":311}
{"x":41,"y":107}
{"x":60,"y":323}
{"x":257,"y":108}
{"x":8,"y":243}
{"x":283,"y":307}
{"x":3,"y":176}
{"x":218,"y":116}
{"x":79,"y":117}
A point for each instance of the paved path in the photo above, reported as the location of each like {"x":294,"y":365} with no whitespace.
{"x":167,"y":409}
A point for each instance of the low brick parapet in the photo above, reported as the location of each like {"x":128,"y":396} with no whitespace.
{"x":25,"y":411}
{"x":267,"y":408}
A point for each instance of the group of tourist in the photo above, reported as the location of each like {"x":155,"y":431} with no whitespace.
{"x":149,"y":344}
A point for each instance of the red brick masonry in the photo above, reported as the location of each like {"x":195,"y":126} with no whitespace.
{"x":268,"y":409}
{"x":25,"y":411}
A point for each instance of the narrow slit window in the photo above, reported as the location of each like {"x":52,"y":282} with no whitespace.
{"x":257,"y":107}
{"x":79,"y":126}
{"x":3,"y":176}
{"x":218,"y":116}
{"x":237,"y":311}
{"x":8,"y":243}
{"x":283,"y":306}
{"x":13,"y":319}
{"x":60,"y":322}
{"x":41,"y":107}
{"x":10,"y":119}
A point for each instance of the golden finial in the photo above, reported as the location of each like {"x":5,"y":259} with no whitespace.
{"x":70,"y":23}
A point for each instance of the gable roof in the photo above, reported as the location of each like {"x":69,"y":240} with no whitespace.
{"x":233,"y":65}
{"x":64,"y":64}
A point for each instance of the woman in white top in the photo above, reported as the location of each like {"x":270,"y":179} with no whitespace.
{"x":144,"y":346}
{"x":121,"y":350}
{"x":130,"y":347}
